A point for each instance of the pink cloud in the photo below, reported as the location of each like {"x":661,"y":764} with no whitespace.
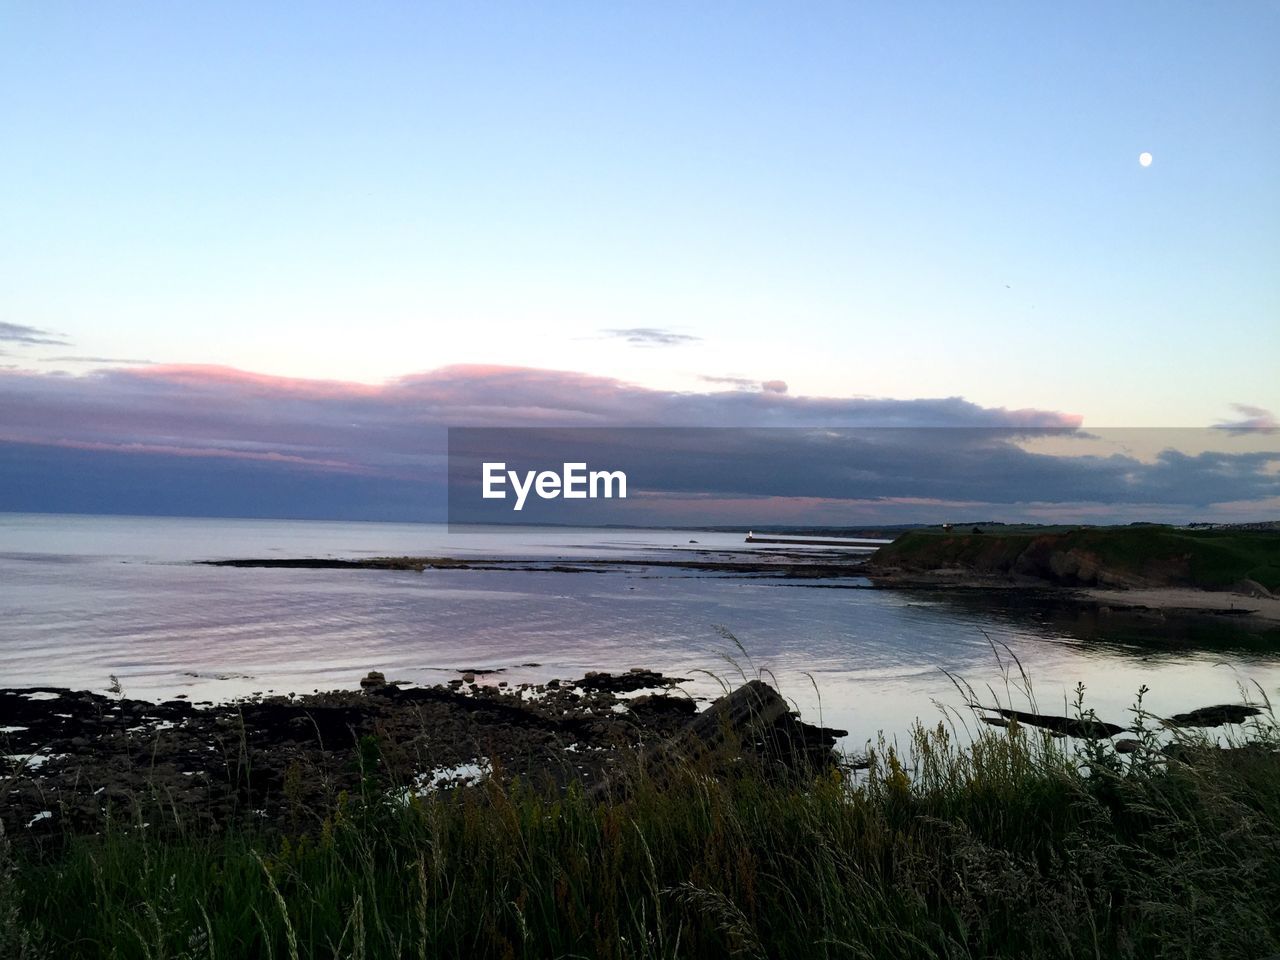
{"x":386,"y":443}
{"x":397,"y":428}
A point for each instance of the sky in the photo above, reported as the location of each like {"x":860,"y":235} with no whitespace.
{"x":747,"y":214}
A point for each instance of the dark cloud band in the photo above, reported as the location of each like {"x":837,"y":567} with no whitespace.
{"x":389,"y":441}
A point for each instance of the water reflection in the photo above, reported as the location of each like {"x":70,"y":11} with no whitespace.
{"x":85,"y":598}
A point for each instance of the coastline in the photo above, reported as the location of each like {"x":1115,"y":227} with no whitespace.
{"x":1188,"y":600}
{"x":70,"y":758}
{"x":1252,"y":608}
{"x":1167,"y":601}
{"x":1163,"y":570}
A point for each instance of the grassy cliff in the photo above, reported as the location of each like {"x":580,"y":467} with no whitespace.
{"x":1101,"y":556}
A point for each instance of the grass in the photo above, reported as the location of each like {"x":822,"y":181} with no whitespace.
{"x":1010,"y":845}
{"x":1212,"y":559}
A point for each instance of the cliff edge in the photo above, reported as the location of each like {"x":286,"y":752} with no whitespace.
{"x":1144,"y":556}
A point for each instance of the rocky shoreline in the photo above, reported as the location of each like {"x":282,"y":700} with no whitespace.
{"x":813,"y":564}
{"x":71,"y":759}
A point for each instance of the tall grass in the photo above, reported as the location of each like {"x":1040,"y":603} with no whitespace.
{"x":1011,"y":845}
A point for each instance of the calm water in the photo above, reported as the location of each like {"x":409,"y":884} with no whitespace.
{"x":83,"y":598}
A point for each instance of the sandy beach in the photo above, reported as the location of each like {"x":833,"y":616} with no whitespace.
{"x":1183,"y":598}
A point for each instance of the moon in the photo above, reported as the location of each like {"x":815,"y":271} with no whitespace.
{"x":1145,"y":159}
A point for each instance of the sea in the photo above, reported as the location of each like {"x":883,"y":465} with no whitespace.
{"x":89,"y":601}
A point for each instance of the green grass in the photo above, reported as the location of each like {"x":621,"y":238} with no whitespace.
{"x":1212,"y":559}
{"x":1013,"y":846}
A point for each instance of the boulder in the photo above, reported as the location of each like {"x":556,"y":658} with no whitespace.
{"x":751,"y":726}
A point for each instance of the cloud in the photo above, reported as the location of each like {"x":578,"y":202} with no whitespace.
{"x":40,"y":478}
{"x":94,"y":360}
{"x":17,"y":333}
{"x":1254,"y":420}
{"x":746,"y":383}
{"x":650,"y":336}
{"x":379,"y":450}
{"x":228,"y":409}
{"x":740,"y":383}
{"x":909,"y":466}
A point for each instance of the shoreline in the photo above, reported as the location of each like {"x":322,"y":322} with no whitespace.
{"x":814,"y":565}
{"x":70,"y":758}
{"x":1002,"y":829}
{"x":1167,"y":601}
{"x":1188,"y":600}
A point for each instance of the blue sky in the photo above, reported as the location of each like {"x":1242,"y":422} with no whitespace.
{"x":857,"y":200}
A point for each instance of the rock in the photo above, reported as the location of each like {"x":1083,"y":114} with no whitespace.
{"x":468,"y":678}
{"x":752,"y":724}
{"x":1215,"y":716}
{"x":634,"y":679}
{"x":1084,"y":727}
{"x":270,"y":758}
{"x":373,"y":680}
{"x":1127,"y":745}
{"x":661,"y":708}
